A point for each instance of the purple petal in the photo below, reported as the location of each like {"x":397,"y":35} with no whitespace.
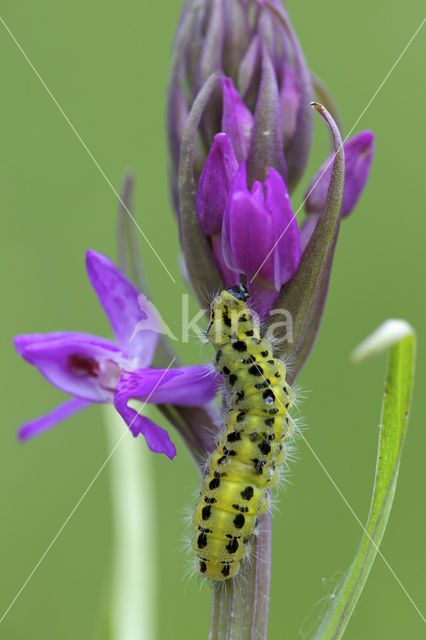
{"x":196,"y":386}
{"x":186,"y":386}
{"x":133,"y":320}
{"x":79,"y":364}
{"x":247,"y":235}
{"x":237,"y":120}
{"x":230,"y":278}
{"x":287,"y":249}
{"x":38,"y":425}
{"x":240,"y":181}
{"x":263,"y":296}
{"x":239,"y":184}
{"x":218,"y":173}
{"x":359,"y":152}
{"x":261,"y":239}
{"x":157,"y":439}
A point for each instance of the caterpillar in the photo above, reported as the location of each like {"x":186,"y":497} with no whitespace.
{"x":240,"y":471}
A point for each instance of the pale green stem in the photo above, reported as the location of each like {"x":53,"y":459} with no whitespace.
{"x":240,"y":607}
{"x":132,"y":613}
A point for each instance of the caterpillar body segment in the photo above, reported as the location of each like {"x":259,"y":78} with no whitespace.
{"x":234,"y":492}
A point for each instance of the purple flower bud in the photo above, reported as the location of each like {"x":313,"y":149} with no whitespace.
{"x":260,"y":238}
{"x":218,"y":173}
{"x":237,"y":120}
{"x":359,"y":152}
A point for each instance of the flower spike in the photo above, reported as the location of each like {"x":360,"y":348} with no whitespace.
{"x":238,"y":70}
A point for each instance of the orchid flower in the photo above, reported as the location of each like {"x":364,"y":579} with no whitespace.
{"x":95,"y":370}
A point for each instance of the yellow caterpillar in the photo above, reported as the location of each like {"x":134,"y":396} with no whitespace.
{"x":243,"y":467}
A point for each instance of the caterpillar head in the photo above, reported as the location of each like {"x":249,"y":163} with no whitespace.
{"x":239,"y":292}
{"x":229,"y":314}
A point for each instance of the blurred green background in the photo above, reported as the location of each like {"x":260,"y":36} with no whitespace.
{"x":106,"y":63}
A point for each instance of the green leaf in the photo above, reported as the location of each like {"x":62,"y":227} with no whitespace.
{"x":400,"y":338}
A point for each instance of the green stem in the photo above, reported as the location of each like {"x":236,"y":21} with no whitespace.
{"x":240,"y":607}
{"x":132,"y":613}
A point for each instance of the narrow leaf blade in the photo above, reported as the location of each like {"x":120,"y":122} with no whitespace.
{"x":400,"y":338}
{"x":129,"y":257}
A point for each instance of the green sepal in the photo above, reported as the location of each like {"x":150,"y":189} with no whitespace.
{"x":202,"y":269}
{"x":266,"y":148}
{"x":304,"y":296}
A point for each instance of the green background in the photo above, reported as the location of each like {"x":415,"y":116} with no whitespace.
{"x":107,"y":63}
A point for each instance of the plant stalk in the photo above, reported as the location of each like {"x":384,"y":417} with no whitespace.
{"x":132,"y":609}
{"x":240,"y":607}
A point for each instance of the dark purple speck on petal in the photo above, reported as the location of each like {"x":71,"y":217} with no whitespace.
{"x":82,"y":366}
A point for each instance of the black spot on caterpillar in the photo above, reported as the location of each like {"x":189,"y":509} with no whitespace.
{"x":239,"y":521}
{"x":247,"y":493}
{"x":239,"y":345}
{"x":232,"y":545}
{"x":232,"y":499}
